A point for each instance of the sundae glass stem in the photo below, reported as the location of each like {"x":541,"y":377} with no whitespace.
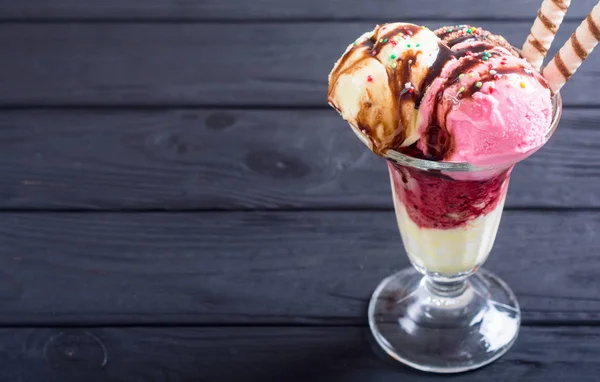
{"x":446,"y":287}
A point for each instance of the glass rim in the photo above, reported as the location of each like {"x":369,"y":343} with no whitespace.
{"x":424,"y":164}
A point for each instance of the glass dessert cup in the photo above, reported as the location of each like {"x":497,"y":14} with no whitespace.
{"x":446,"y":314}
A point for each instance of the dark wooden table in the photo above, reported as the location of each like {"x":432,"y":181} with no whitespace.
{"x":180,"y":204}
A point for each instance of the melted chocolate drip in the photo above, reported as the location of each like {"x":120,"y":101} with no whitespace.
{"x":479,"y":48}
{"x":445,"y":54}
{"x":397,"y":77}
{"x":458,"y":40}
{"x":408,"y":29}
{"x":440,"y":143}
{"x":455,"y":35}
{"x":368,"y":43}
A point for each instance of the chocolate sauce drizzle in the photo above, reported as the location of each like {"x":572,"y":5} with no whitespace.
{"x":445,"y":54}
{"x":439,"y":140}
{"x":369,"y":44}
{"x":397,"y":77}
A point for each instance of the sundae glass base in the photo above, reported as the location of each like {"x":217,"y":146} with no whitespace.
{"x":444,"y":324}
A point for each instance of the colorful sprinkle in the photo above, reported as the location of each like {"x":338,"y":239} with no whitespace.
{"x":523,"y":84}
{"x":478,"y":84}
{"x":485,"y":58}
{"x":385,"y":40}
{"x":408,"y":85}
{"x":503,"y":63}
{"x":471,"y":75}
{"x":462,"y":89}
{"x":393,"y":57}
{"x":492,"y":89}
{"x":449,"y":30}
{"x":369,"y":78}
{"x":410,"y":62}
{"x":408,"y":45}
{"x":393,"y":65}
{"x":461,"y":76}
{"x":493,"y":72}
{"x":380,"y":40}
{"x":394,"y":42}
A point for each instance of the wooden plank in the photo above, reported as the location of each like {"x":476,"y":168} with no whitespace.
{"x":292,"y":267}
{"x":270,"y":354}
{"x":239,"y":159}
{"x":250,"y":64}
{"x":277,"y":9}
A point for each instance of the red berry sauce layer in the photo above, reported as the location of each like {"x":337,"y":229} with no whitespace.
{"x":435,"y":200}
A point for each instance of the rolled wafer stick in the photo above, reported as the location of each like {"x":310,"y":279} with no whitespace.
{"x":574,"y":52}
{"x":549,"y":18}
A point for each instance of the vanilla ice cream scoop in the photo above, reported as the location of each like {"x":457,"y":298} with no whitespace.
{"x":376,"y":84}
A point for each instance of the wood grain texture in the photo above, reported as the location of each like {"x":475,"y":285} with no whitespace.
{"x":277,"y":10}
{"x":254,"y":64}
{"x":270,"y":354}
{"x":237,"y":268}
{"x":239,"y":159}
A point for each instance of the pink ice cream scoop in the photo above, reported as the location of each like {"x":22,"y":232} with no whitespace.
{"x":487,"y":106}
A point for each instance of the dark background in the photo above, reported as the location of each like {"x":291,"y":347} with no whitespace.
{"x":180,"y":204}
